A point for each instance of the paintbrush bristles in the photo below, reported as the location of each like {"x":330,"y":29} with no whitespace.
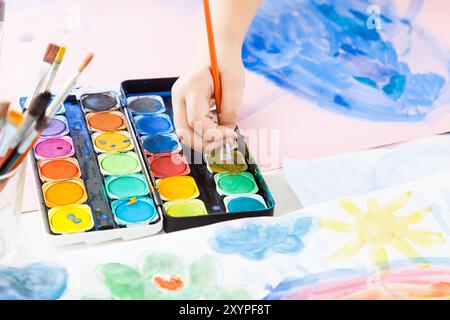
{"x":42,"y":123}
{"x":86,"y":62}
{"x":39,"y":104}
{"x":4,"y":106}
{"x":60,"y":55}
{"x":51,"y":53}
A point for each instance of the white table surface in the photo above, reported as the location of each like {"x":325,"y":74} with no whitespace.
{"x":33,"y":244}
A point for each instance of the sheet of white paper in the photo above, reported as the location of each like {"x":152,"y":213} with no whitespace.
{"x":324,"y":179}
{"x":391,"y":243}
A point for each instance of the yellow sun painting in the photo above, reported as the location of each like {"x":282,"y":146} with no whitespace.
{"x":380,"y":226}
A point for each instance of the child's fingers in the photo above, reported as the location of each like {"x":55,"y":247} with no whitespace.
{"x":198,"y":115}
{"x":186,"y":134}
{"x":232,"y":91}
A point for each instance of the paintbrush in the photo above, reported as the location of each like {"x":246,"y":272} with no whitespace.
{"x":12,"y":125}
{"x":62,"y":96}
{"x":54,"y":70}
{"x":37,"y":108}
{"x":19,"y":154}
{"x":33,"y":133}
{"x":4,"y":106}
{"x":49,"y":58}
{"x":225,"y":151}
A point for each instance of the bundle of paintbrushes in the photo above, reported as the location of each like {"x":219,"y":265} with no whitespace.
{"x":19,"y":132}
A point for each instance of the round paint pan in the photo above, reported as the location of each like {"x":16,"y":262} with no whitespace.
{"x":146,"y":105}
{"x":134,"y":211}
{"x":185,"y":208}
{"x":235,"y":164}
{"x":169,"y":165}
{"x":106,"y":121}
{"x":235,"y":183}
{"x":177,"y":188}
{"x":119,"y":163}
{"x":54,"y":148}
{"x":153,"y":124}
{"x":96,"y":102}
{"x":58,"y":127}
{"x":244,"y":203}
{"x":58,"y":169}
{"x":70,"y":219}
{"x":113,"y":141}
{"x":63,"y":193}
{"x":127,"y":186}
{"x":159,"y":144}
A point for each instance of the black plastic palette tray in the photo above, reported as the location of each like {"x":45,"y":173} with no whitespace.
{"x":213,"y":201}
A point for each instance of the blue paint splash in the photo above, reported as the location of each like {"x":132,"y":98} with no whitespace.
{"x":255,"y":241}
{"x":34,"y":282}
{"x":324,"y":51}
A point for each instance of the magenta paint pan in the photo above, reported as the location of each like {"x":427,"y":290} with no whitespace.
{"x":54,"y":148}
{"x":58,"y":127}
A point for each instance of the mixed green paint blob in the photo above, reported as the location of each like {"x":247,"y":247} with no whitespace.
{"x":163,"y":276}
{"x":235,"y":164}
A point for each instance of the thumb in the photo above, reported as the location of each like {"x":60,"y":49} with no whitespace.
{"x":232,"y":91}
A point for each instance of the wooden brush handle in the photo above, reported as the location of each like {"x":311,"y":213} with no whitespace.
{"x":213,"y":57}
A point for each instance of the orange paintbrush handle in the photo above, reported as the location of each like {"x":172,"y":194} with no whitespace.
{"x":213,"y":56}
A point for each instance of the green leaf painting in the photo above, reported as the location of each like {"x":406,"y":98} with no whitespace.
{"x":164,"y":276}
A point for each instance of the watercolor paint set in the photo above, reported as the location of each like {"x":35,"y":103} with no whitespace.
{"x":111,"y":166}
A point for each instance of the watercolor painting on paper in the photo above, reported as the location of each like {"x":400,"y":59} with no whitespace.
{"x":388,"y":244}
{"x":37,"y":281}
{"x":405,"y":280}
{"x":337,"y":55}
{"x":380,"y":226}
{"x":340,"y":76}
{"x":164,"y":276}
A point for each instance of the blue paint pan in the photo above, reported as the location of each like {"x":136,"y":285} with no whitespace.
{"x":153,"y":124}
{"x":165,"y":143}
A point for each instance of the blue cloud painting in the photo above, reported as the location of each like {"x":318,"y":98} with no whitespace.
{"x":255,"y":241}
{"x":34,"y":282}
{"x":332,"y":53}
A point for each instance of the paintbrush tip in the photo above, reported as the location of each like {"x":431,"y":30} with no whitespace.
{"x":60,"y":55}
{"x":86,"y":62}
{"x":42,"y":123}
{"x":4,"y":106}
{"x":51,"y":53}
{"x":15,"y":118}
{"x":39,"y":104}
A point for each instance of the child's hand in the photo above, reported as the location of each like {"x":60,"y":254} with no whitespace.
{"x":192,"y":97}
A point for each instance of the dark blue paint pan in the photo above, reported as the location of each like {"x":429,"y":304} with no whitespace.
{"x":164,"y":143}
{"x":153,"y":124}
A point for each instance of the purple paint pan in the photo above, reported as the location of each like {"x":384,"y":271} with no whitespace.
{"x":54,"y":148}
{"x":57,"y":127}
